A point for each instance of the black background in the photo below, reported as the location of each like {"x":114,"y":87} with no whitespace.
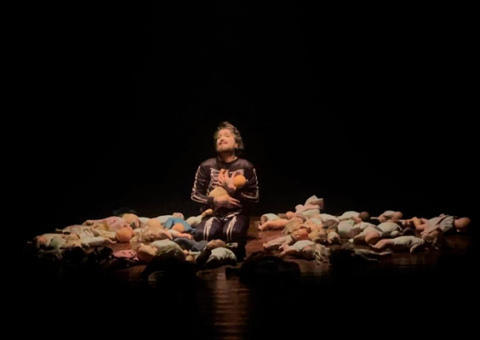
{"x":118,"y":105}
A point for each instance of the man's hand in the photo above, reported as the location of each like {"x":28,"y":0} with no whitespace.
{"x":226,"y":181}
{"x":227,"y":202}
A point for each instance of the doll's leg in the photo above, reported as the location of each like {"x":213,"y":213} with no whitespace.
{"x":420,"y":225}
{"x":275,"y":244}
{"x":289,"y":251}
{"x":359,"y":239}
{"x":383,"y":244}
{"x":373,"y":238}
{"x":274,"y":225}
{"x":269,"y":217}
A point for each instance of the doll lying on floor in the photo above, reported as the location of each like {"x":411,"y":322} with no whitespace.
{"x":99,"y":230}
{"x":212,"y":256}
{"x":192,"y":246}
{"x":313,"y":206}
{"x":442,"y":224}
{"x":175,"y":222}
{"x":159,"y":219}
{"x":402,"y":243}
{"x":319,"y":232}
{"x":389,"y":215}
{"x":79,"y":230}
{"x":115,"y":223}
{"x":282,"y":223}
{"x":303,"y":233}
{"x":43,"y":241}
{"x":299,"y":235}
{"x":353,"y":215}
{"x":350,"y":222}
{"x":371,"y":234}
{"x":311,"y":209}
{"x":169,"y":266}
{"x":299,"y":248}
{"x":63,"y":241}
{"x":345,"y":255}
{"x":261,"y":268}
{"x":151,"y":234}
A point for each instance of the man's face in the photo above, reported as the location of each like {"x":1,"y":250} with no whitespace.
{"x":226,"y":141}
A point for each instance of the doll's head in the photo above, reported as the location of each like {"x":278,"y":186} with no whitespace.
{"x":124,"y":235}
{"x":292,"y":225}
{"x":462,"y":224}
{"x":239,"y":181}
{"x":318,"y":236}
{"x":300,"y":234}
{"x":364,"y":216}
{"x":40,"y":242}
{"x":132,"y":220}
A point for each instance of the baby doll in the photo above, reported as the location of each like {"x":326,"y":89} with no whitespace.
{"x":390,"y":215}
{"x":401,"y":243}
{"x":88,"y":242}
{"x":236,"y":183}
{"x":372,"y":234}
{"x":312,"y":206}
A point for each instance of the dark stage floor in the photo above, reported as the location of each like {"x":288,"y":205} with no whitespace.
{"x":429,"y":293}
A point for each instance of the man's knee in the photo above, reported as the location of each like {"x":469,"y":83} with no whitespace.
{"x":236,"y":230}
{"x":209,"y":229}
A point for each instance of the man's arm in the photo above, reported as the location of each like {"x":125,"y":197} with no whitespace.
{"x":250,"y":192}
{"x":200,"y":187}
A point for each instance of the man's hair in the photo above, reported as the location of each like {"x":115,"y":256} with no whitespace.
{"x":236,"y":133}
